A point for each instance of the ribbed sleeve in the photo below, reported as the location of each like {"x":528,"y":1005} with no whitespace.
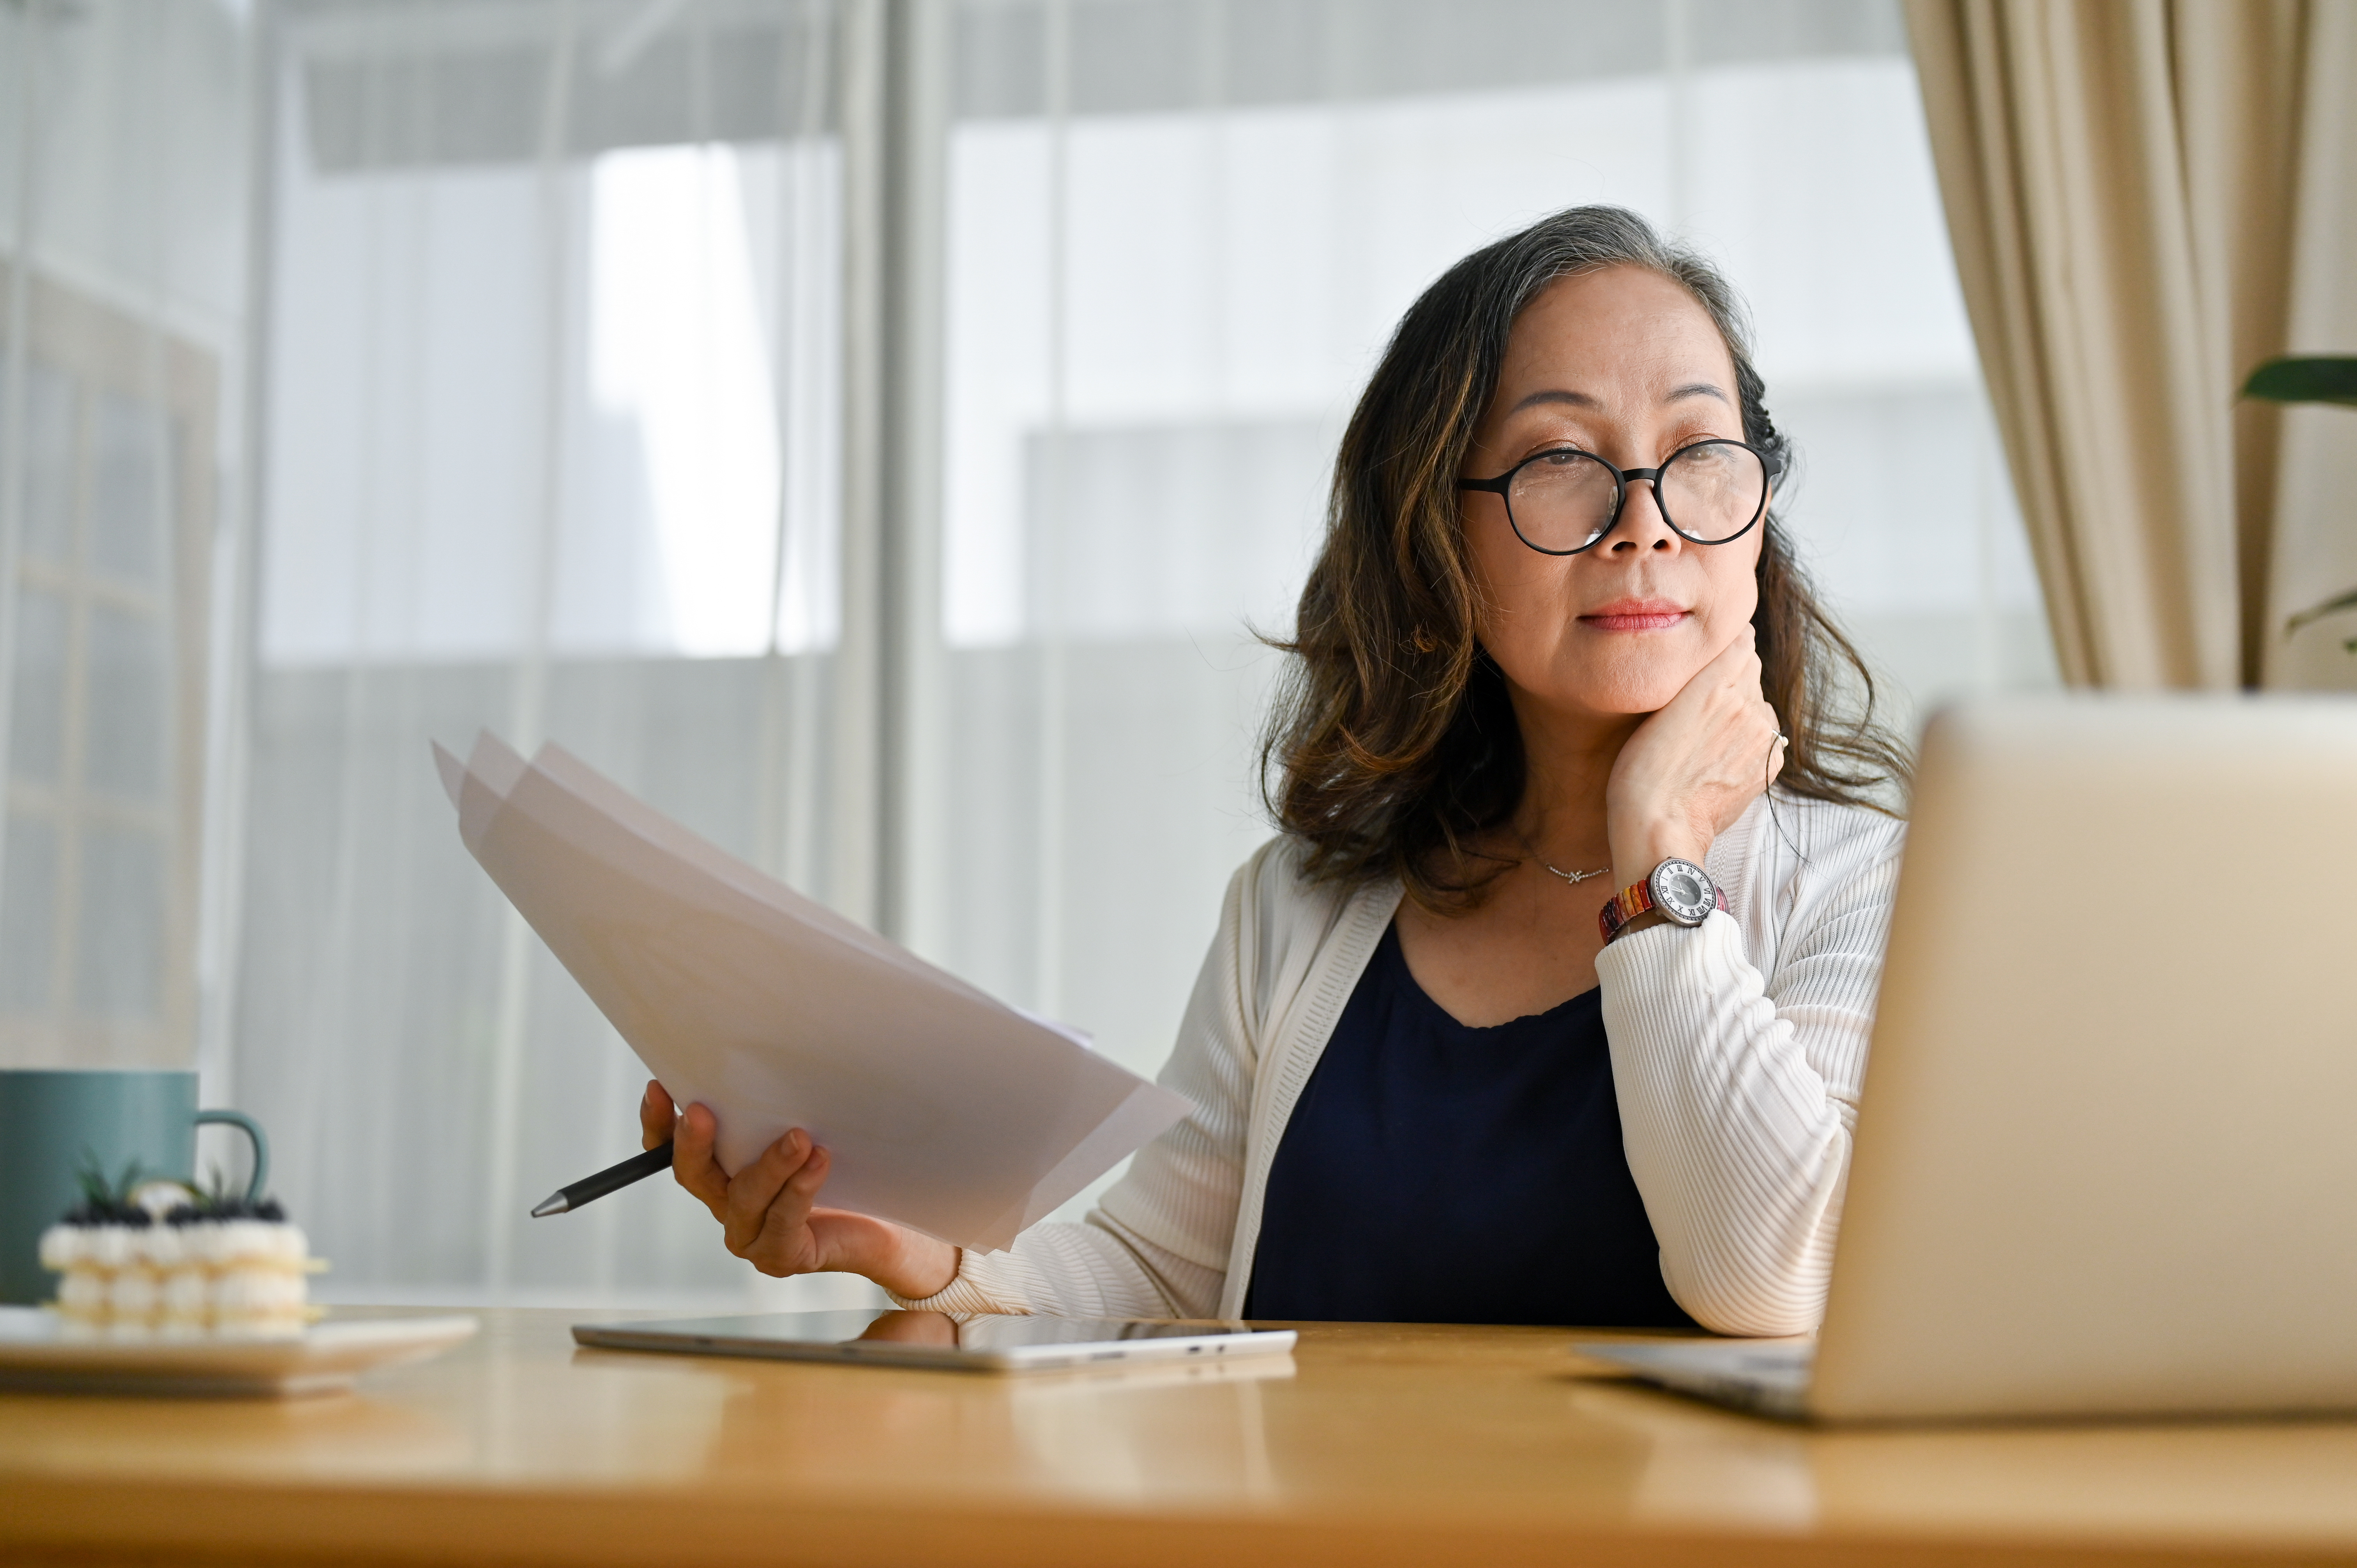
{"x":1078,"y":1271}
{"x":1739,"y":1049}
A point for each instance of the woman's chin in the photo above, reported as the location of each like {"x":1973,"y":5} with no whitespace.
{"x":1589,"y":701}
{"x":1636,"y":686}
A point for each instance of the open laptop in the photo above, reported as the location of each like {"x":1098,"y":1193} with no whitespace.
{"x":2106,"y":1156}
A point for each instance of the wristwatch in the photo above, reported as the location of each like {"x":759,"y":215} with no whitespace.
{"x":1678,"y":888}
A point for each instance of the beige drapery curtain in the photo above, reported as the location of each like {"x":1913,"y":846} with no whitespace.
{"x":2315,"y":553}
{"x":2120,"y":180}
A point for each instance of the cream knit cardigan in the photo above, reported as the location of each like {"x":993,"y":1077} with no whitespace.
{"x":1738,"y":1049}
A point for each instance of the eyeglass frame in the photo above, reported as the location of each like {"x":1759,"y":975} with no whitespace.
{"x":1771,"y":466}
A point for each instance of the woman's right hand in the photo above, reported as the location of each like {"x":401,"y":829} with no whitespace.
{"x":1692,"y":768}
{"x":768,"y":1210}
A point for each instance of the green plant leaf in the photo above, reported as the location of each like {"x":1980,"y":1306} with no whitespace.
{"x":90,"y":1176}
{"x":2332,"y":606}
{"x":2306,"y":378}
{"x":105,"y":1199}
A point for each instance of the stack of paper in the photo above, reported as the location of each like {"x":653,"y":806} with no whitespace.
{"x":942,"y":1108}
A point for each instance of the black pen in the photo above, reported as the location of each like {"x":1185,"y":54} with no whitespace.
{"x":613,"y":1179}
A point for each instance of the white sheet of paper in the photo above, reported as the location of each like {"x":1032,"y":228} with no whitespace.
{"x":941,"y":1106}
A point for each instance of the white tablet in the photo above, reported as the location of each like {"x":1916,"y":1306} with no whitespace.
{"x":952,"y":1341}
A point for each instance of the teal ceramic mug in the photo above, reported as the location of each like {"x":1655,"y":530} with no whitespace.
{"x":53,"y":1123}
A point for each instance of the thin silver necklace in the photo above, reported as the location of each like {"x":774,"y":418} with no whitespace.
{"x":1574,"y":878}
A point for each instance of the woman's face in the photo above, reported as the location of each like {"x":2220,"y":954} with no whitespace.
{"x":1626,"y":364}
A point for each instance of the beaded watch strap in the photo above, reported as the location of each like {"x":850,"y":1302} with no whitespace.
{"x":1633,"y":901}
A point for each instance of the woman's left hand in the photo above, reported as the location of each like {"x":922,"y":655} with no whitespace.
{"x":1691,"y":768}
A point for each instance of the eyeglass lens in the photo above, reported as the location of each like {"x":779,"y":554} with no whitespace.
{"x":1709,"y":492}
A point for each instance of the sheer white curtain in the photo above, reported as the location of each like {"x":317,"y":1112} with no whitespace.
{"x":1180,"y":231}
{"x":870,"y":429}
{"x":457,"y":363}
{"x":121,"y":288}
{"x":553,"y":448}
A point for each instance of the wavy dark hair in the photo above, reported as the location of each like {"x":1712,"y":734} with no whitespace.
{"x":1392,"y":745}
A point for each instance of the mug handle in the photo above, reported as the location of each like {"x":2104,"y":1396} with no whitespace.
{"x":252,"y":1130}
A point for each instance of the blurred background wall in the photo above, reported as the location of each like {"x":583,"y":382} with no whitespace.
{"x":875,"y":431}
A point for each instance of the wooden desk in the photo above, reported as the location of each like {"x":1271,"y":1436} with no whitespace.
{"x":1430,"y":1446}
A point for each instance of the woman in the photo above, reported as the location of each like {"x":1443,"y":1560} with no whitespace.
{"x":1554,"y":648}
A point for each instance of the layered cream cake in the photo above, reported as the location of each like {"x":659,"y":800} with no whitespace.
{"x":179,"y":1266}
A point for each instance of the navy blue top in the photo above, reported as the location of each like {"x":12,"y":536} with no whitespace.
{"x":1437,"y":1173}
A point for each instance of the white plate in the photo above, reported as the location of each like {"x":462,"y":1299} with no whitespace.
{"x":36,"y":1353}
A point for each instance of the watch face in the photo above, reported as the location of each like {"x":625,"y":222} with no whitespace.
{"x":1682,"y":891}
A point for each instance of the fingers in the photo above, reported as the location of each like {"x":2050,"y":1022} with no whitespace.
{"x":1732,"y":674}
{"x":693,"y":1164}
{"x":786,"y":1243}
{"x":764,"y":1210}
{"x":766,"y":1191}
{"x":656,"y":1114}
{"x":1718,"y":706}
{"x":1739,"y":665}
{"x":1731,"y":684}
{"x":1692,"y":768}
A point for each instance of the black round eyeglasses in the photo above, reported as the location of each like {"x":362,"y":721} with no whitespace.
{"x":1562,"y":501}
